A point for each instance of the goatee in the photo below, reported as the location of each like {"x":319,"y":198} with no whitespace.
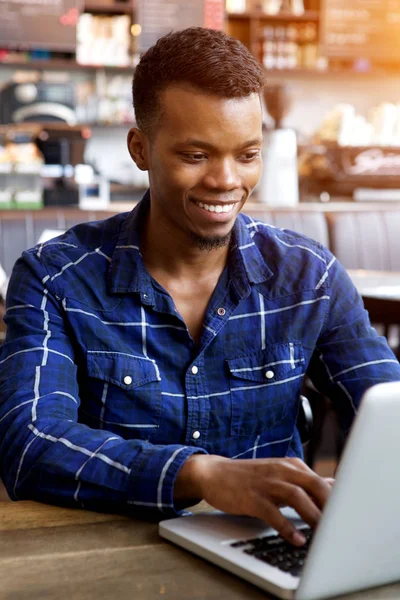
{"x":211,"y":243}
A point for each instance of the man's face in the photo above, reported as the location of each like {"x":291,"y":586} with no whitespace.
{"x":204,"y":160}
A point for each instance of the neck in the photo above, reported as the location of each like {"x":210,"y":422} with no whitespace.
{"x":176,"y":254}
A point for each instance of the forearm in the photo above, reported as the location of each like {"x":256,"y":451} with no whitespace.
{"x":62,"y":462}
{"x":349,"y":356}
{"x":46,"y":452}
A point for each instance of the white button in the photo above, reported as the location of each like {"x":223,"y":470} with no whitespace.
{"x":127,"y":380}
{"x":195,"y":370}
{"x":221,"y":311}
{"x":196,"y":435}
{"x":269,"y":374}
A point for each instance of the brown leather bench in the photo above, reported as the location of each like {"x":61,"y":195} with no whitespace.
{"x":361,"y":236}
{"x":20,"y":230}
{"x":366,"y":240}
{"x":309,"y":222}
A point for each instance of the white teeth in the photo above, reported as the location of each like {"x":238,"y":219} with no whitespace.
{"x":218,"y":208}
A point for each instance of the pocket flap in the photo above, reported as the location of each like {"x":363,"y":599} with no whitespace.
{"x":273,"y":363}
{"x":124,"y":370}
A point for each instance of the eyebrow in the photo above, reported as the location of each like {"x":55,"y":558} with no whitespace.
{"x":208,"y":146}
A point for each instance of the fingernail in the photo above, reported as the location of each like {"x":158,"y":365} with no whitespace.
{"x":298,"y":538}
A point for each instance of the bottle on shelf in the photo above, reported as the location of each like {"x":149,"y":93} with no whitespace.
{"x":297,"y":7}
{"x":268,"y":47}
{"x":308,"y":38}
{"x":290,"y":46}
{"x":274,"y":7}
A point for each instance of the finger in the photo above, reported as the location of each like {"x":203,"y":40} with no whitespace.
{"x":329,"y":480}
{"x":313,"y":484}
{"x":298,"y":463}
{"x":269,"y":513}
{"x":319,"y":490}
{"x":298,"y":499}
{"x":295,"y":471}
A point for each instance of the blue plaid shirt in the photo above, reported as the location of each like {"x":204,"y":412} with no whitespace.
{"x":104,"y":395}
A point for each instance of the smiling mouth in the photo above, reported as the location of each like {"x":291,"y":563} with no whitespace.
{"x":217,"y":208}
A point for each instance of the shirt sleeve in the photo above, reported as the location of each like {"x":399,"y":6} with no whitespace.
{"x":45,"y":453}
{"x":349,"y":356}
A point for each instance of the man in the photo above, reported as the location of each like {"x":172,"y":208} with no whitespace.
{"x":147,"y":351}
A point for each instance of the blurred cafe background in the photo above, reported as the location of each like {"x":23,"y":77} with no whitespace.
{"x":332,"y":102}
{"x":331,"y":123}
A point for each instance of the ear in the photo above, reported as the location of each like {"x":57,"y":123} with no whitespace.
{"x":137,"y":146}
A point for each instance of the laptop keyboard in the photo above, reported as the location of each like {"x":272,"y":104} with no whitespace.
{"x":276,"y":552}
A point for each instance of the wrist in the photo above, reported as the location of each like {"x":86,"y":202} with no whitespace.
{"x":191,"y":481}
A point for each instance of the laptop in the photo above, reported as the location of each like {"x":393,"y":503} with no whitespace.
{"x":357,"y":542}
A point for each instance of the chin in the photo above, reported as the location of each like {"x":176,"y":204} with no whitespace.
{"x":211,"y":242}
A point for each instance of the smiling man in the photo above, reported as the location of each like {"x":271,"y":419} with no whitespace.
{"x":203,"y":164}
{"x":156,"y":358}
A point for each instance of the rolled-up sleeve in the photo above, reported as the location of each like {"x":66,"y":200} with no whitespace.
{"x":349,"y":356}
{"x":45,"y":453}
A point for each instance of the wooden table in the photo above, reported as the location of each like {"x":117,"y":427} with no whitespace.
{"x":51,"y":553}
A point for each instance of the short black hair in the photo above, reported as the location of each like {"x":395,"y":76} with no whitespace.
{"x":207,"y":59}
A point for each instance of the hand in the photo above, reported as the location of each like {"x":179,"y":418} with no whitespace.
{"x":257,"y":488}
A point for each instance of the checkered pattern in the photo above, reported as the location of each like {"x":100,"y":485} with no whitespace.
{"x":104,"y":395}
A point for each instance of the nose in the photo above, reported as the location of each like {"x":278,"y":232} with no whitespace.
{"x":222,"y":175}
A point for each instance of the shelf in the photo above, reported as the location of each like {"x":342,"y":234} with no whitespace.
{"x":62,"y":64}
{"x":334,"y":146}
{"x":126,"y":126}
{"x":302,"y":73}
{"x":321,"y":73}
{"x":35,"y":127}
{"x":117,"y":8}
{"x":308,"y":15}
{"x":126,"y":188}
{"x":71,"y":65}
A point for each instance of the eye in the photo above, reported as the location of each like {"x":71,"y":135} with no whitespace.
{"x":250,"y":155}
{"x":194,"y":157}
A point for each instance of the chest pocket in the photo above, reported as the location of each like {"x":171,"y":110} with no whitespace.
{"x":265,"y":387}
{"x":124,"y":393}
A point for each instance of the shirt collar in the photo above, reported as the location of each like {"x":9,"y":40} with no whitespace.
{"x":245,"y":256}
{"x":127,"y":272}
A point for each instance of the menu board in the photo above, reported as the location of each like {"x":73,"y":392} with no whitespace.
{"x":367,"y":29}
{"x":159,"y":17}
{"x":48,"y":24}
